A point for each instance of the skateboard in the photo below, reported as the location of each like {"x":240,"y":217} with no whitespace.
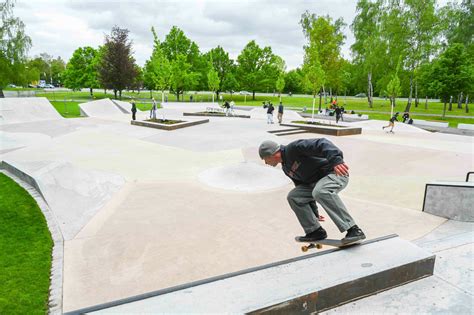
{"x":327,"y":241}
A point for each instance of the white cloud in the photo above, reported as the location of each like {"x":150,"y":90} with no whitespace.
{"x":58,"y":27}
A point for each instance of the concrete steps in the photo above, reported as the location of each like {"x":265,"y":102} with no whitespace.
{"x":305,"y":284}
{"x":288,"y":131}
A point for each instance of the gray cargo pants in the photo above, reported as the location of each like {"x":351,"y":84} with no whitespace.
{"x":302,"y":197}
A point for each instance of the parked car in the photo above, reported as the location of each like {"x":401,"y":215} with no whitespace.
{"x":244,"y":93}
{"x":360,"y":95}
{"x":11,"y":85}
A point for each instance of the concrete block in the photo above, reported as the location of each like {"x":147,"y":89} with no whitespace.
{"x":451,"y":200}
{"x":466,"y":126}
{"x":305,"y":284}
{"x":420,"y":122}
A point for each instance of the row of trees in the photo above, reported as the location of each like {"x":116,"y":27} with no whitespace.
{"x":402,"y":48}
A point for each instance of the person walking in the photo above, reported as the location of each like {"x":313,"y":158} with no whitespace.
{"x":391,"y":122}
{"x":134,"y":110}
{"x":153,"y":109}
{"x":338,"y":112}
{"x":226,"y":108}
{"x":232,"y":105}
{"x":280,"y":113}
{"x":270,"y":110}
{"x":318,"y":170}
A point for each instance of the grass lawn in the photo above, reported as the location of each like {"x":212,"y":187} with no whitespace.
{"x":359,"y":105}
{"x":71,"y":109}
{"x":25,"y":252}
{"x":67,"y":109}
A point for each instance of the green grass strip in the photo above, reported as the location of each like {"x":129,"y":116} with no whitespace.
{"x":25,"y":252}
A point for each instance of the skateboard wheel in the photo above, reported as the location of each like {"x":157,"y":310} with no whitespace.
{"x":319,"y":246}
{"x":304,"y":248}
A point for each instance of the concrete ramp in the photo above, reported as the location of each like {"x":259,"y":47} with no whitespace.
{"x":101,"y":108}
{"x":125,"y":107}
{"x":26,"y":109}
{"x":306,"y":284}
{"x":73,"y":194}
{"x":451,"y":200}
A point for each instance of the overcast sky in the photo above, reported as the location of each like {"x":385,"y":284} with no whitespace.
{"x":58,"y":27}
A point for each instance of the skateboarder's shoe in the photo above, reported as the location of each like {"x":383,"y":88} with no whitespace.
{"x":353,"y":234}
{"x":317,"y":235}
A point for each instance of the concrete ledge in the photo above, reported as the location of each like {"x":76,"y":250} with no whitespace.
{"x":168,"y":127}
{"x":215,"y":114}
{"x":307,"y":284}
{"x":451,"y":200}
{"x":466,"y":126}
{"x":420,"y":122}
{"x":327,"y":130}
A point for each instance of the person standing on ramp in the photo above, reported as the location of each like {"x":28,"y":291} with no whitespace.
{"x":317,"y":168}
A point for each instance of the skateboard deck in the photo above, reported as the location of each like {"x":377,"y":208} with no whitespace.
{"x":327,"y":241}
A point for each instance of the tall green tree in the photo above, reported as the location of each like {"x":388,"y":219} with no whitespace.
{"x":393,"y":88}
{"x":117,"y":66}
{"x":230,"y":83}
{"x":81,"y":70}
{"x":182,"y":78}
{"x":14,"y":46}
{"x":326,"y":37}
{"x":175,"y":46}
{"x":451,"y":73}
{"x":280,"y":84}
{"x":294,"y":81}
{"x":368,"y":43}
{"x":213,"y":81}
{"x":158,"y":68}
{"x":314,"y":75}
{"x":422,"y":28}
{"x":220,"y":61}
{"x":257,"y":68}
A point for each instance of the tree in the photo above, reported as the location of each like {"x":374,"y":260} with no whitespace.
{"x":182,"y":78}
{"x":326,"y":37}
{"x":81,"y":70}
{"x":220,"y":61}
{"x":280,"y":84}
{"x":257,"y":68}
{"x":367,"y":45}
{"x":117,"y":66}
{"x":158,"y":68}
{"x":451,"y":73}
{"x":314,"y":75}
{"x":293,"y":81}
{"x":393,"y":88}
{"x":14,"y":46}
{"x":230,"y":83}
{"x":422,"y":28}
{"x":213,"y":81}
{"x":176,"y":46}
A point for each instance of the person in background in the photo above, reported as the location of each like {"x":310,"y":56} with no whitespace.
{"x":391,"y":122}
{"x":134,"y":110}
{"x":270,"y":110}
{"x":153,"y":109}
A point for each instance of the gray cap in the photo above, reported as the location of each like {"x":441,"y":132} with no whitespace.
{"x":268,"y":148}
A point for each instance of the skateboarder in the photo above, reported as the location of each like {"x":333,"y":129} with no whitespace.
{"x":391,"y":122}
{"x":317,"y":168}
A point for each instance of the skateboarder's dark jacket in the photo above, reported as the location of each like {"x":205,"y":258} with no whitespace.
{"x":306,"y":161}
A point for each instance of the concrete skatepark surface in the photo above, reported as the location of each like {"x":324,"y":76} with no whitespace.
{"x":144,"y":209}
